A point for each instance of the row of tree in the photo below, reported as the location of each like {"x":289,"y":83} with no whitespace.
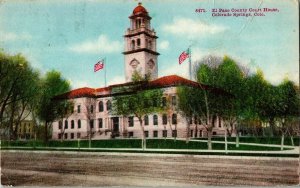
{"x":24,"y":93}
{"x":249,"y":97}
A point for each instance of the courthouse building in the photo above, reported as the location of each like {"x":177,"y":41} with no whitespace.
{"x":92,"y":117}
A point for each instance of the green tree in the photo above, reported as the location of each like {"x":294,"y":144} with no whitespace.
{"x":19,"y":91}
{"x":287,"y":106}
{"x":49,"y":110}
{"x":137,"y":100}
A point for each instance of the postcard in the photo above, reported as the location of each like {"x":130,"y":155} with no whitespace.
{"x":149,"y":93}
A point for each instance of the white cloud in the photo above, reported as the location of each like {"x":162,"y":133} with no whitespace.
{"x":163,"y":45}
{"x":101,"y":45}
{"x":192,"y":28}
{"x":10,"y":36}
{"x":180,"y":70}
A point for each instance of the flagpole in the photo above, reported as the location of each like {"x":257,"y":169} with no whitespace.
{"x":104,"y":71}
{"x":190,"y":62}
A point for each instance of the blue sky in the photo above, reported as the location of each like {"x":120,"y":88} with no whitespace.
{"x":71,"y":36}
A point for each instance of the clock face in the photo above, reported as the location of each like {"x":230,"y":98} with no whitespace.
{"x":134,"y":63}
{"x":151,"y":64}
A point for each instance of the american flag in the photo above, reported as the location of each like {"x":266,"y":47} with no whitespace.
{"x":99,"y":65}
{"x":183,"y":56}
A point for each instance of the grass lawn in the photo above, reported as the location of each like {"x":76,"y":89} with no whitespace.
{"x":136,"y":143}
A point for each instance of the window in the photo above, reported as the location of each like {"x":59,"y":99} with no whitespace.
{"x":155,"y":122}
{"x":165,"y":133}
{"x":92,"y":109}
{"x":100,"y":106}
{"x":130,"y":134}
{"x":100,"y":123}
{"x":59,"y":136}
{"x":174,"y":100}
{"x":132,"y":45}
{"x":72,"y":135}
{"x":72,"y":124}
{"x":195,"y":120}
{"x":191,"y":133}
{"x":174,"y":119}
{"x":200,"y":133}
{"x":130,"y":121}
{"x":138,"y":42}
{"x":108,"y":105}
{"x":155,"y":134}
{"x":191,"y":120}
{"x":66,"y":135}
{"x":146,"y":134}
{"x":66,"y":124}
{"x":78,"y":108}
{"x":214,"y":133}
{"x":79,"y":124}
{"x":164,"y":101}
{"x":146,"y":120}
{"x":78,"y":135}
{"x":174,"y":133}
{"x":59,"y":125}
{"x":91,"y":123}
{"x":165,"y":119}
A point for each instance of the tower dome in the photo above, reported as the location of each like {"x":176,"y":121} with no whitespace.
{"x":139,"y":10}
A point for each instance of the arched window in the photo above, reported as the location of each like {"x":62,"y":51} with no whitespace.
{"x":66,"y":124}
{"x":59,"y":125}
{"x":155,"y":120}
{"x":146,"y":120}
{"x":72,"y":124}
{"x":165,"y":119}
{"x":138,"y":42}
{"x":79,"y":124}
{"x":174,"y":119}
{"x":132,"y":45}
{"x":108,"y":105}
{"x":100,"y":106}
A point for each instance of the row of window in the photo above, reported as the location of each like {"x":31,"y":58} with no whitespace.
{"x":100,"y":107}
{"x":60,"y":124}
{"x":109,"y":105}
{"x":155,"y":120}
{"x":138,"y":44}
{"x":164,"y":133}
{"x":66,"y":135}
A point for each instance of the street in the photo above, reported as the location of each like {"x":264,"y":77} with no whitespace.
{"x":21,"y":168}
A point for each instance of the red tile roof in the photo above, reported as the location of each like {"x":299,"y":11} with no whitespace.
{"x":172,"y":80}
{"x":77,"y":93}
{"x":103,"y":89}
{"x":165,"y":81}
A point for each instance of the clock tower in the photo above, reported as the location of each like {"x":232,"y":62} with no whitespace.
{"x":140,"y":45}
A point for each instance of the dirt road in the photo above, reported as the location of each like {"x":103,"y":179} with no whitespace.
{"x":73,"y":169}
